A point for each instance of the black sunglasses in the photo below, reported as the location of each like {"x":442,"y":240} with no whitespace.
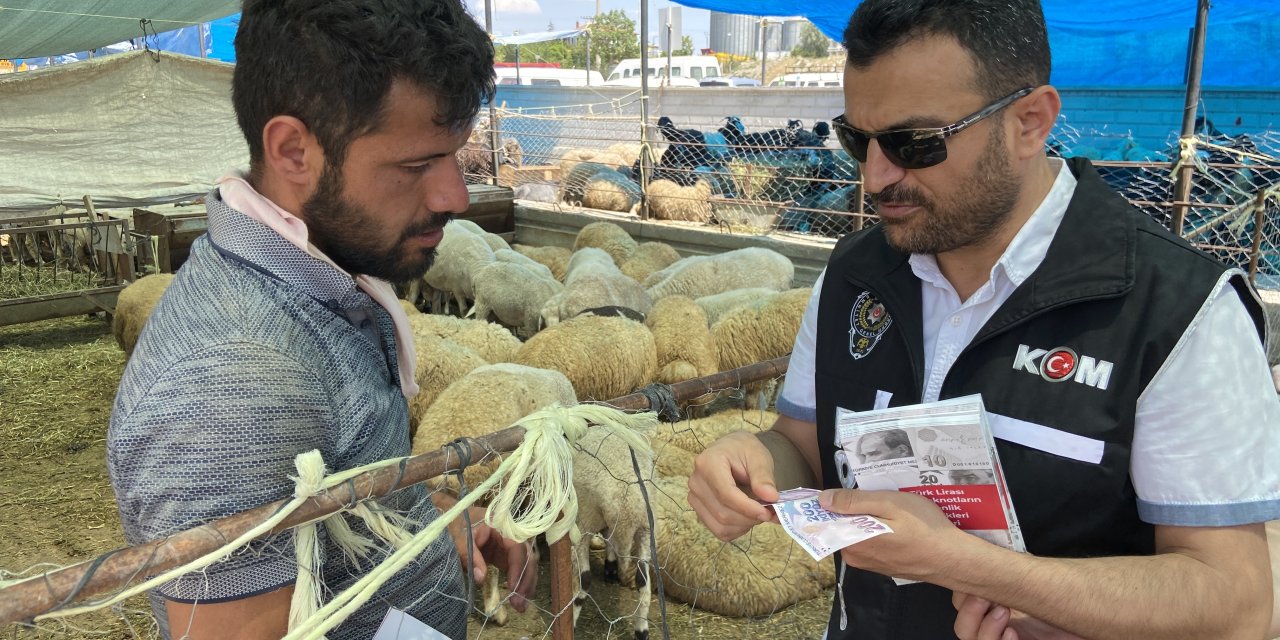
{"x":914,"y":148}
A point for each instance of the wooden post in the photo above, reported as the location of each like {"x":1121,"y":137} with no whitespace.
{"x":562,"y":591}
{"x":1182,"y":189}
{"x":1259,"y":220}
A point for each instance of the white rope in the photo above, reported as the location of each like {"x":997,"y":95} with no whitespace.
{"x":306,"y":598}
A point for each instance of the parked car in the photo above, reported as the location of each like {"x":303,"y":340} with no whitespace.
{"x":730,"y":81}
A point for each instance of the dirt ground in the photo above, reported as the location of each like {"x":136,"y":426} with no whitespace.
{"x":57,"y":382}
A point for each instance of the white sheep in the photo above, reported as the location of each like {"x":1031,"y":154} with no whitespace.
{"x":613,"y":239}
{"x":717,"y":305}
{"x":134,"y":305}
{"x":699,"y":276}
{"x":490,"y":341}
{"x":751,"y":334}
{"x":604,"y":357}
{"x":514,"y":293}
{"x":494,"y":240}
{"x":515,"y":257}
{"x":554,"y":258}
{"x":459,"y":256}
{"x":593,"y":281}
{"x":686,"y":349}
{"x":440,"y":363}
{"x":670,"y":201}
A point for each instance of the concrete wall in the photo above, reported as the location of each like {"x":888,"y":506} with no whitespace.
{"x":1153,"y":116}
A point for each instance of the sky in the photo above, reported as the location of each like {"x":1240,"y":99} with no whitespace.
{"x":534,"y":15}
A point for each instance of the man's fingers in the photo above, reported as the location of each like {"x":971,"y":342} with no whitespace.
{"x":522,"y":574}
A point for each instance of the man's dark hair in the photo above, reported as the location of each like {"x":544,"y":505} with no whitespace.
{"x":1007,"y":38}
{"x":330,"y":63}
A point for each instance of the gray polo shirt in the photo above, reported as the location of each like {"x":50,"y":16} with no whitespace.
{"x":258,"y":352}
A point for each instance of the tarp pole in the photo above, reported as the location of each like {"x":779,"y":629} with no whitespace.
{"x":588,"y":35}
{"x":764,"y":49}
{"x":645,"y":157}
{"x":494,"y":160}
{"x":1182,"y":189}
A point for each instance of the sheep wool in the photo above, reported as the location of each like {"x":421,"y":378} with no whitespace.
{"x":627,"y":152}
{"x":487,"y":399}
{"x":608,"y":236}
{"x":515,"y":257}
{"x":699,"y":276}
{"x":608,"y":195}
{"x":514,"y":293}
{"x":675,"y":445}
{"x":591,"y":282}
{"x":490,"y":341}
{"x":684,"y":343}
{"x":670,"y":201}
{"x":495,"y":241}
{"x":748,"y":335}
{"x":441,"y":362}
{"x":647,"y":258}
{"x":409,"y":308}
{"x":756,"y":575}
{"x":554,"y":258}
{"x":459,"y":255}
{"x":716,"y":306}
{"x":603,"y":357}
{"x":134,"y":306}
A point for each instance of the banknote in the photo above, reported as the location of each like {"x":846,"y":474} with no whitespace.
{"x":821,"y":532}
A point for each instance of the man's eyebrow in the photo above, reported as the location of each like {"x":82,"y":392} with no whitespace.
{"x":914,"y":122}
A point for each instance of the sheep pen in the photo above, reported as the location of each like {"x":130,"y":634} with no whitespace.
{"x":55,"y":400}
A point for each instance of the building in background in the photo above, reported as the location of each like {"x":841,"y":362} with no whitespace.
{"x":792,"y":28}
{"x":676,"y":36}
{"x":735,"y":34}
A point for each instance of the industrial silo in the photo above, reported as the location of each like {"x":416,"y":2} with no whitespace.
{"x":735,"y":34}
{"x":792,"y":29}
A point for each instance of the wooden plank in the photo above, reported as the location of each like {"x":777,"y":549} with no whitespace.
{"x":58,"y":305}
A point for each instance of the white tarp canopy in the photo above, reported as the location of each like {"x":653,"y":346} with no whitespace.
{"x":540,"y":36}
{"x":41,"y":28}
{"x":125,"y":129}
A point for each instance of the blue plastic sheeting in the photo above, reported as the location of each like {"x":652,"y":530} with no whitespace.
{"x":185,"y":40}
{"x":1110,"y":42}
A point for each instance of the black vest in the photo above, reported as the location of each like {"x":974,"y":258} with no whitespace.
{"x":1115,"y":288}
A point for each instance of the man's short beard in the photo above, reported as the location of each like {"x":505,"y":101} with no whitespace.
{"x":342,"y":230}
{"x":972,"y":214}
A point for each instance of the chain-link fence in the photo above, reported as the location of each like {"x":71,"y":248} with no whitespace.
{"x":755,"y":176}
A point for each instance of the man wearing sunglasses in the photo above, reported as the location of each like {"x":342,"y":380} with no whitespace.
{"x":1123,"y":371}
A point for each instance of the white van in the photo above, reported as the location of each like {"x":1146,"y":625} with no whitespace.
{"x":547,"y":77}
{"x":686,"y":71}
{"x":809,"y":79}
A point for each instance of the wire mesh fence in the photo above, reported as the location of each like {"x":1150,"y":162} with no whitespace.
{"x":754,"y":176}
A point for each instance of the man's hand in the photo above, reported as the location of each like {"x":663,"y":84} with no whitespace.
{"x":733,"y":463}
{"x":518,"y":560}
{"x":979,"y":619}
{"x":924,"y":541}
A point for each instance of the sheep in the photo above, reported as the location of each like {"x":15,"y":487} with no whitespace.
{"x":409,"y":308}
{"x":494,"y":240}
{"x":628,"y":152}
{"x":719,"y":304}
{"x":574,"y":183}
{"x":441,"y":362}
{"x":536,"y":192}
{"x":571,"y":158}
{"x":748,"y":335}
{"x":593,"y":281}
{"x":513,"y":152}
{"x":611,"y":193}
{"x":515,"y":257}
{"x":676,"y":444}
{"x":555,"y":258}
{"x":699,"y":276}
{"x":489,"y":398}
{"x":670,"y":201}
{"x":647,"y":258}
{"x":684,"y":343}
{"x":608,"y":236}
{"x":458,"y":256}
{"x":578,"y":347}
{"x":134,"y":306}
{"x":491,"y":342}
{"x":514,"y":293}
{"x":758,"y":574}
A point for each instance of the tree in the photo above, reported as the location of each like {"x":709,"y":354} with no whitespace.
{"x":686,"y":47}
{"x":812,"y":43}
{"x":614,"y":38}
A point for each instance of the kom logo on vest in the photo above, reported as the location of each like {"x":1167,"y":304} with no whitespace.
{"x":1061,"y":364}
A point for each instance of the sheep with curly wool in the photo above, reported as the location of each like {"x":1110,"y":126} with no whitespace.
{"x":574,"y":183}
{"x":760,"y":573}
{"x":613,"y":239}
{"x":459,"y":256}
{"x":611,"y":192}
{"x":134,"y":305}
{"x":554,"y":258}
{"x":676,"y":444}
{"x":717,"y":305}
{"x":685,"y":347}
{"x":670,"y":201}
{"x":647,"y":258}
{"x":440,"y":363}
{"x":698,"y":276}
{"x":753,"y":334}
{"x":492,"y":342}
{"x":514,"y":293}
{"x":604,"y":357}
{"x":592,"y":281}
{"x":515,"y":257}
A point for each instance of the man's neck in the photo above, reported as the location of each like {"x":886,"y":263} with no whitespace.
{"x":277,"y":192}
{"x":968,"y":268}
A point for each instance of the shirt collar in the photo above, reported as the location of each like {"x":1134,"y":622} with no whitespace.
{"x":1027,"y":249}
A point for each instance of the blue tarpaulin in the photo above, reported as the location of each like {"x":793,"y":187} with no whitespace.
{"x":1110,"y":42}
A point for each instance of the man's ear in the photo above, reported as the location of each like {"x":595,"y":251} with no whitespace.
{"x":291,"y":152}
{"x":1035,"y":116}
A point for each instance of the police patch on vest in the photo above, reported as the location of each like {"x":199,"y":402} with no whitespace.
{"x":868,"y":321}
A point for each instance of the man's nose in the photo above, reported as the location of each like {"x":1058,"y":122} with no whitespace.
{"x":447,"y":193}
{"x":878,"y":172}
